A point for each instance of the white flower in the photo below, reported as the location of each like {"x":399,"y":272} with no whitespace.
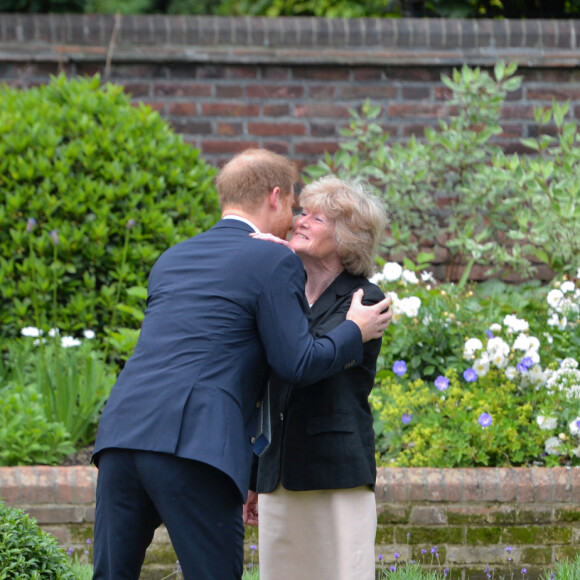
{"x":546,"y":423}
{"x":511,"y":373}
{"x":68,"y":341}
{"x":515,"y":324}
{"x":568,"y":286}
{"x":427,"y":276}
{"x":409,"y":277}
{"x":522,"y":342}
{"x":499,"y":360}
{"x":392,"y":271}
{"x":495,"y":327}
{"x":533,"y":354}
{"x":578,"y":273}
{"x":53,"y":332}
{"x":534,"y":344}
{"x":31,"y":331}
{"x":497,"y":346}
{"x":552,"y":446}
{"x":377,"y":278}
{"x":481,"y":366}
{"x":575,"y":426}
{"x":472,"y":345}
{"x":410,"y":306}
{"x":89,"y":334}
{"x":555,"y":298}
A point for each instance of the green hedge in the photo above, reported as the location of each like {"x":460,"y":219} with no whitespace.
{"x":93,"y":190}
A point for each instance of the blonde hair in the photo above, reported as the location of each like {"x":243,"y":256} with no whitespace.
{"x":248,"y":177}
{"x":360,"y":220}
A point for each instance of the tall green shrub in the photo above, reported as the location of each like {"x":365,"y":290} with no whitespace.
{"x":456,"y":189}
{"x":93,"y":190}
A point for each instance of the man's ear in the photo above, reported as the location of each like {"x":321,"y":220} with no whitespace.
{"x":274,"y":198}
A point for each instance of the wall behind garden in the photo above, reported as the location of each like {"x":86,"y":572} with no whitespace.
{"x":470,"y":515}
{"x":288,"y":84}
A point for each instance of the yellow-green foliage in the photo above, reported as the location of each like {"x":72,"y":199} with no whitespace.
{"x":444,"y":430}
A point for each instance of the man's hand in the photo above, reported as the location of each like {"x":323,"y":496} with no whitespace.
{"x":372,"y":320}
{"x":250,"y":511}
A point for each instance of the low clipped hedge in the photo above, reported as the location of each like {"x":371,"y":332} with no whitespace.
{"x":29,"y":553}
{"x":93,"y":190}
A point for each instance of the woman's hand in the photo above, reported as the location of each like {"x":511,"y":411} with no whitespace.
{"x":271,"y":238}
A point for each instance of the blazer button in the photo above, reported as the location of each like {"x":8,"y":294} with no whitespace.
{"x":258,"y":404}
{"x":252,"y":440}
{"x":281,"y":416}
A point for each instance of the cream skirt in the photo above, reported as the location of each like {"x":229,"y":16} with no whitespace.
{"x":317,"y":535}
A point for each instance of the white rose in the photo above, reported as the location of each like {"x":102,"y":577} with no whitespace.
{"x":392,"y":271}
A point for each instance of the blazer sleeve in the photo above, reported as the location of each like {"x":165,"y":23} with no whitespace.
{"x":290,"y":348}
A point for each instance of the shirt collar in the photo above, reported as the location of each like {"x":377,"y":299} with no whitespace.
{"x":241,"y":219}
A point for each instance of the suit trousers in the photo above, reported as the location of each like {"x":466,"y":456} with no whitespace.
{"x":200,"y":506}
{"x":317,"y":535}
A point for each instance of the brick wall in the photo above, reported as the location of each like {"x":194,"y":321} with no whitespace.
{"x":470,"y":515}
{"x":288,"y":84}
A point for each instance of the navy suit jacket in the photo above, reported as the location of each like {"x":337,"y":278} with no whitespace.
{"x":222,"y":309}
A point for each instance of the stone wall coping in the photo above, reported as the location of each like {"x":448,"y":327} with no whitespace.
{"x":288,"y":40}
{"x":77,"y":484}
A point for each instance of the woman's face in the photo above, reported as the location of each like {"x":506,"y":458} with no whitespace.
{"x":313,"y":235}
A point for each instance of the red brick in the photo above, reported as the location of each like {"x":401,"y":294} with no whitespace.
{"x":434,"y":483}
{"x":276,"y":110}
{"x":224,"y":147}
{"x":316,"y":147}
{"x":228,"y":91}
{"x":280,"y":147}
{"x":65,"y":485}
{"x":230,"y":110}
{"x":322,"y":92}
{"x":188,"y":108}
{"x":488,"y":483}
{"x":136,"y":89}
{"x":10,"y":485}
{"x":417,"y":111}
{"x":416,"y":483}
{"x":562,"y":484}
{"x":543,"y":485}
{"x":452,"y":485}
{"x":575,"y":476}
{"x":507,"y":485}
{"x":85,"y":483}
{"x":274,"y":91}
{"x":525,"y":485}
{"x":421,"y":93}
{"x":276,"y":129}
{"x":397,"y":490}
{"x":470,"y":485}
{"x":183,"y":89}
{"x":230,"y":129}
{"x":368,"y":74}
{"x":321,"y":110}
{"x":45,"y":484}
{"x":517,"y":112}
{"x":362,"y":92}
{"x":321,"y":74}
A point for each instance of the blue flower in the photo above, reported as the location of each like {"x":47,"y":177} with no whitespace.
{"x":406,"y":418}
{"x":400,"y":367}
{"x":442,"y":383}
{"x":489,"y":333}
{"x":509,"y":549}
{"x":380,"y":557}
{"x":30,"y":224}
{"x":524,"y":571}
{"x":397,"y":555}
{"x":54,"y":237}
{"x":393,"y":568}
{"x":528,"y":362}
{"x":485,"y":420}
{"x":470,"y":375}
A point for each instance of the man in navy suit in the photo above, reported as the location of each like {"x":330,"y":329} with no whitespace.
{"x":176,"y":437}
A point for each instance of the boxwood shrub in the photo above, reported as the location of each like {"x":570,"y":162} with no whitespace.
{"x":94,"y":188}
{"x":29,"y":553}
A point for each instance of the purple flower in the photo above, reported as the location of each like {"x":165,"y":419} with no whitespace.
{"x":434,"y":550}
{"x":527,"y":362}
{"x":130,"y":224}
{"x":54,"y":237}
{"x":485,"y":420}
{"x":406,"y":418}
{"x":400,"y":367}
{"x":393,"y":568}
{"x":489,"y":333}
{"x":524,"y":571}
{"x":509,"y":549}
{"x":253,"y":547}
{"x":445,"y":572}
{"x":442,"y":383}
{"x":380,"y":557}
{"x":470,"y":375}
{"x":397,"y":555}
{"x":30,"y":224}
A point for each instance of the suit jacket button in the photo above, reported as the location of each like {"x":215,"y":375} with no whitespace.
{"x":252,"y":440}
{"x":258,"y":404}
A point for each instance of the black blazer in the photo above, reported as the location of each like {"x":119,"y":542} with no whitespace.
{"x":222,"y":309}
{"x":322,"y":435}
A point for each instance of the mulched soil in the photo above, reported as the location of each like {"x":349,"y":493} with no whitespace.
{"x":80,"y":457}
